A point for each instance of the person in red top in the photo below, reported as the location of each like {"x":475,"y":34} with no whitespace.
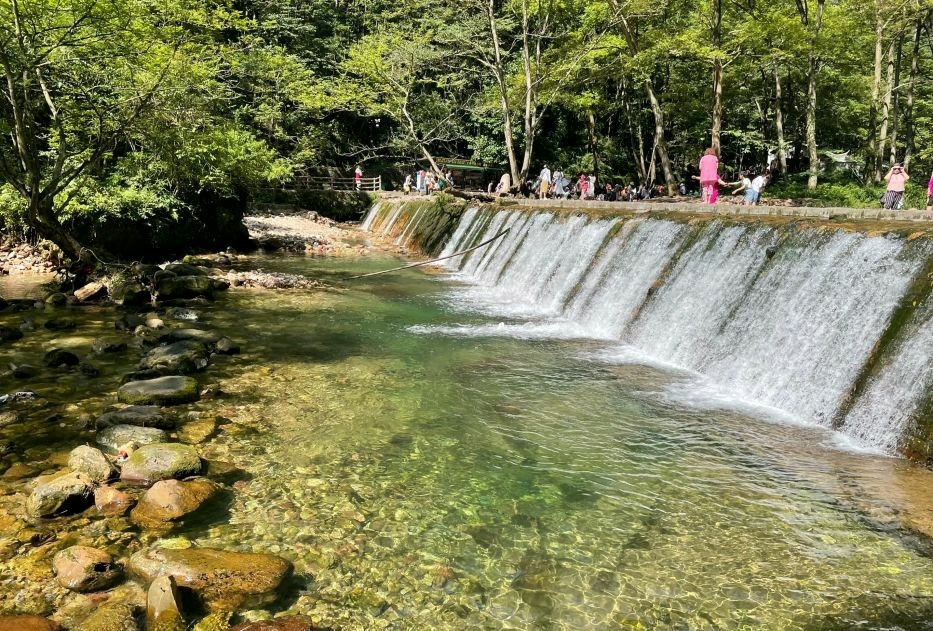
{"x":896,"y":178}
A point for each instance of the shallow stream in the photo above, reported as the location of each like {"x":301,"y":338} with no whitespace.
{"x":425,"y":480}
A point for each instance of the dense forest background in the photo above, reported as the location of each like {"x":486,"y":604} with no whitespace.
{"x":126,"y":112}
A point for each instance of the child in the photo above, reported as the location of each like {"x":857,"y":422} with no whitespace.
{"x":746,"y":185}
{"x":758,"y":185}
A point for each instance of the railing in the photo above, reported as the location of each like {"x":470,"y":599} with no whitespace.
{"x":327,"y":183}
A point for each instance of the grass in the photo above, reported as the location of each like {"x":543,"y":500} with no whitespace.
{"x":842,"y":192}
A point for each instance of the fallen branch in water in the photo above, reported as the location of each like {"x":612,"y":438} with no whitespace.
{"x":449,"y":256}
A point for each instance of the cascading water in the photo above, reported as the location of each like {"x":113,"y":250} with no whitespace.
{"x":785,"y":318}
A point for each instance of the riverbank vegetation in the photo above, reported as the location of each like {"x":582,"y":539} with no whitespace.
{"x":148,"y":121}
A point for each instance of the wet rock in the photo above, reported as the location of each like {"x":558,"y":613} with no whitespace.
{"x":6,"y":447}
{"x":161,"y":461}
{"x":8,"y":417}
{"x":85,"y":569}
{"x":160,"y":391}
{"x":27,"y":623}
{"x":155,"y":323}
{"x":130,"y":294}
{"x":111,"y":616}
{"x":197,"y":431}
{"x":208,"y":338}
{"x":182,"y":357}
{"x":27,"y":324}
{"x":225,"y":580}
{"x":138,"y":415}
{"x":146,"y":271}
{"x":91,"y":290}
{"x":170,"y":500}
{"x":162,"y":610}
{"x":60,"y":357}
{"x":112,"y":502}
{"x":89,"y":370}
{"x":60,"y":324}
{"x":185,"y":287}
{"x":9,"y":334}
{"x":66,"y":493}
{"x":181,"y":313}
{"x":287,"y":623}
{"x":226,"y":346}
{"x":216,"y":621}
{"x":57,"y":299}
{"x":111,"y":438}
{"x":102,"y":346}
{"x":92,"y":463}
{"x":25,"y":371}
{"x":128,"y":322}
{"x":21,"y":395}
{"x":19,"y":471}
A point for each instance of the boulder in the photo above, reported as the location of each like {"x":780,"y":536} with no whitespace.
{"x":162,"y":610}
{"x":60,"y":357}
{"x":56,"y":299}
{"x":111,"y":438}
{"x":27,"y":623}
{"x":128,"y":322}
{"x":60,"y":324}
{"x":170,"y":287}
{"x":65,"y":493}
{"x":89,"y":291}
{"x":112,"y":502}
{"x":146,"y":271}
{"x":155,"y":323}
{"x":92,"y":463}
{"x":111,"y":616}
{"x":184,"y":357}
{"x":208,"y":338}
{"x":185,"y":269}
{"x":226,"y":346}
{"x":84,"y":569}
{"x":9,"y":334}
{"x":168,"y":501}
{"x":25,"y":371}
{"x":129,"y":294}
{"x":161,"y":461}
{"x":224,"y":580}
{"x":102,"y":346}
{"x":138,"y":415}
{"x":170,"y":390}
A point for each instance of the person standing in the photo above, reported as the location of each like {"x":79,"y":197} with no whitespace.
{"x":544,"y":182}
{"x":897,"y":179}
{"x":930,"y":194}
{"x":407,"y":185}
{"x":758,"y":185}
{"x":419,"y":181}
{"x":358,"y":177}
{"x":709,"y":176}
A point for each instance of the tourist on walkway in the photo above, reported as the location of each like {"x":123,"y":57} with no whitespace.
{"x":358,"y":177}
{"x":407,"y":185}
{"x":930,"y":194}
{"x":709,"y":176}
{"x":544,"y":182}
{"x":419,"y":182}
{"x":758,"y":185}
{"x":896,"y":178}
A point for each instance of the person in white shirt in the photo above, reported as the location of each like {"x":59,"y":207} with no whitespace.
{"x":758,"y":185}
{"x":544,"y":182}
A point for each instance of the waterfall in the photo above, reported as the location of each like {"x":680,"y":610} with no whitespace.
{"x":882,"y":414}
{"x":785,"y":316}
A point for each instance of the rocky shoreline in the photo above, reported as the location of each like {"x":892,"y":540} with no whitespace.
{"x":84,"y":531}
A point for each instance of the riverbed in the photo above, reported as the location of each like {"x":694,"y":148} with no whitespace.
{"x":421,"y":477}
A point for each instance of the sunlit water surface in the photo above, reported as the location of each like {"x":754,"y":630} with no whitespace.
{"x":423,"y":480}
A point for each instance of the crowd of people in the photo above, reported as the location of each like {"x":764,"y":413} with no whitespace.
{"x":585,"y":186}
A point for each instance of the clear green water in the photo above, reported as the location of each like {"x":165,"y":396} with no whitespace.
{"x":421,"y":481}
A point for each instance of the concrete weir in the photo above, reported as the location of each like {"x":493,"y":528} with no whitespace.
{"x":822,"y":313}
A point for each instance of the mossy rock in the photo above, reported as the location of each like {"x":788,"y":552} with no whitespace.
{"x":161,"y":461}
{"x":170,"y":390}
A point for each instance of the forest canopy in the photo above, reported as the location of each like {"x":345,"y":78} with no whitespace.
{"x":149,"y":109}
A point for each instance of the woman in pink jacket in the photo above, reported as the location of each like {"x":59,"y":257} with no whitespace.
{"x":930,"y":193}
{"x":709,"y":176}
{"x":896,"y":178}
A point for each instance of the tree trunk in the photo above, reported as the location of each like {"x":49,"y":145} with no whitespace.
{"x":895,"y":105}
{"x":779,"y":122}
{"x":499,"y":70}
{"x":48,"y":226}
{"x":812,"y":69}
{"x":885,"y":111}
{"x":717,"y":77}
{"x":594,"y":143}
{"x":909,"y":108}
{"x":874,"y":166}
{"x":659,"y":141}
